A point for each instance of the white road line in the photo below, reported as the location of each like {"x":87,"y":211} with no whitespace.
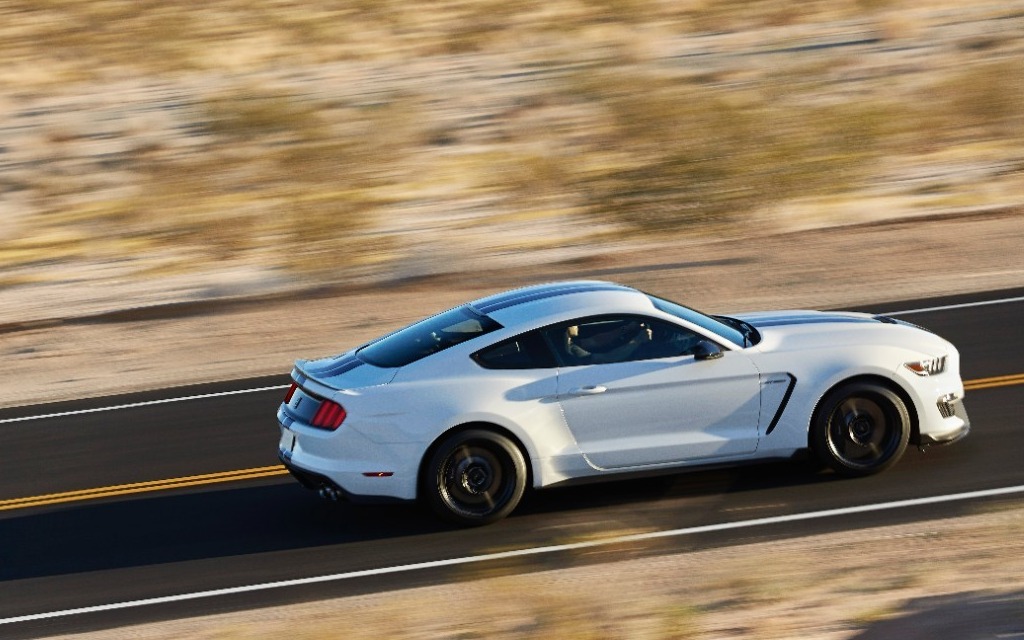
{"x":64,"y":414}
{"x":949,"y":307}
{"x":148,"y":403}
{"x":638,"y":537}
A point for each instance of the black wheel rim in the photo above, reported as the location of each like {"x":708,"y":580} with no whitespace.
{"x":863,"y":432}
{"x":475,"y":481}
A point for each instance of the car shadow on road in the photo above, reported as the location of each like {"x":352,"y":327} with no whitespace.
{"x":167,"y":528}
{"x":691,"y":484}
{"x":279,"y":515}
{"x":958,"y":616}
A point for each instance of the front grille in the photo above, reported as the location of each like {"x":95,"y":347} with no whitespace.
{"x":948,"y":405}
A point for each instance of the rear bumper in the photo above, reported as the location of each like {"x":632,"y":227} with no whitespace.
{"x":325,"y":486}
{"x":350,"y":464}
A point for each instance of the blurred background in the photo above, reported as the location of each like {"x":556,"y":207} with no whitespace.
{"x":150,"y":153}
{"x":154,"y":153}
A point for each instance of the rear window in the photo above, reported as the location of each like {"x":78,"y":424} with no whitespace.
{"x":427,"y":337}
{"x":527,"y":351}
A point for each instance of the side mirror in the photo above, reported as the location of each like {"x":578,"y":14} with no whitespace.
{"x":707,"y":350}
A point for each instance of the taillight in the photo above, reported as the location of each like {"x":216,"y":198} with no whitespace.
{"x":291,"y":392}
{"x":330,"y":415}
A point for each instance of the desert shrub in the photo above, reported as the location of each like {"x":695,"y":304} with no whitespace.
{"x":986,"y":98}
{"x":692,"y":156}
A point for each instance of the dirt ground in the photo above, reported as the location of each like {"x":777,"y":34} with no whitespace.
{"x":124,"y":347}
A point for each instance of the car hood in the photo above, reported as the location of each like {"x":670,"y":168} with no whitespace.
{"x":765,"y":319}
{"x":821,"y":329}
{"x":346,"y":371}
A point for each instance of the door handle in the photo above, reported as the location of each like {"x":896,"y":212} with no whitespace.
{"x":589,"y":390}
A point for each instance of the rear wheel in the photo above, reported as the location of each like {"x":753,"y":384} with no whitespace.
{"x":474,"y":477}
{"x":860,"y":429}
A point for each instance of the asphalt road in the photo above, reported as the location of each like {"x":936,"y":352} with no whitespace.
{"x":199,"y":528}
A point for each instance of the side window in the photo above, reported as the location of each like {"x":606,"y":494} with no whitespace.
{"x":609,"y":339}
{"x":526,"y":351}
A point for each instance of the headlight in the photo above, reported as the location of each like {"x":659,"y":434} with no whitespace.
{"x":929,"y":367}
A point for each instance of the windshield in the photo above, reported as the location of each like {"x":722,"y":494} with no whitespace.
{"x":713,"y":325}
{"x":427,"y":337}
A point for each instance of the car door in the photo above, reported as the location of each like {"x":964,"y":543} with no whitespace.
{"x":657,"y":403}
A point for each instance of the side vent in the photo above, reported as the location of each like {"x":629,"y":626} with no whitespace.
{"x":776,"y":390}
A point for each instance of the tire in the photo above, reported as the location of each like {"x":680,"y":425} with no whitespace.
{"x":474,"y":477}
{"x":860,"y":429}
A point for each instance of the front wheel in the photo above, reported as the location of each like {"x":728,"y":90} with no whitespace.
{"x":474,"y":477}
{"x":860,"y":429}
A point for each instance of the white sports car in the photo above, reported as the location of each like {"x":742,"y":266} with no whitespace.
{"x":576,"y":381}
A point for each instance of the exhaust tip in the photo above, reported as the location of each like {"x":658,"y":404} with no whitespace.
{"x":328,"y":493}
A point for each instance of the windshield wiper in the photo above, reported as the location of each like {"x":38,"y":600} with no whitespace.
{"x":745,"y":328}
{"x":749,"y":333}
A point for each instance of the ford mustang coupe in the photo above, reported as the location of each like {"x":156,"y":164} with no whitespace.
{"x":577,"y":381}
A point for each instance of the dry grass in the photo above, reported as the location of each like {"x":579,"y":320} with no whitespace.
{"x":450,"y":123}
{"x":86,"y":39}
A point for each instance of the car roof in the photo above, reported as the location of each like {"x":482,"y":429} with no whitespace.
{"x":507,"y":299}
{"x":561,"y":299}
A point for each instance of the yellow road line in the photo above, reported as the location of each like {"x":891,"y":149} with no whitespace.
{"x":997,"y":381}
{"x":278,"y":470}
{"x":142,"y":487}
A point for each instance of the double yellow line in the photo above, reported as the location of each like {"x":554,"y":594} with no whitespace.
{"x":998,"y":381}
{"x":142,"y":487}
{"x":278,"y":470}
